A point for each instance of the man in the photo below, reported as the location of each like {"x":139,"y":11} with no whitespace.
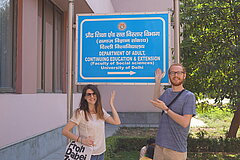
{"x":171,"y":140}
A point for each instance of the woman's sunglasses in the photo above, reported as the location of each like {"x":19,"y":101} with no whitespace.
{"x":90,"y":94}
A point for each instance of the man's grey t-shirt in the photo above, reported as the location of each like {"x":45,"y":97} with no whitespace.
{"x":170,"y":134}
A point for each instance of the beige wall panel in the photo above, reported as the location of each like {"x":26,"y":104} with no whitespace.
{"x":29,"y":46}
{"x":23,"y":116}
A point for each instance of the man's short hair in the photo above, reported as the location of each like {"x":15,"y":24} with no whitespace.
{"x":177,"y":64}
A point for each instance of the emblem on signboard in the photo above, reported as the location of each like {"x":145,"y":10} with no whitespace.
{"x":122,"y":26}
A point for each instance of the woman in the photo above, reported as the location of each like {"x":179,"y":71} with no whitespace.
{"x":90,"y":118}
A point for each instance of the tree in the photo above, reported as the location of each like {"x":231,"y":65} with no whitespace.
{"x":210,"y":50}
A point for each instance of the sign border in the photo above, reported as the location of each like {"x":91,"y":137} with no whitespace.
{"x":119,"y":78}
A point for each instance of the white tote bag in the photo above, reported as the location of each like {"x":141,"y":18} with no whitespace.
{"x":78,"y":151}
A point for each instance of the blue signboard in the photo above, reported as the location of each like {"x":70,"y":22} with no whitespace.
{"x":121,"y":48}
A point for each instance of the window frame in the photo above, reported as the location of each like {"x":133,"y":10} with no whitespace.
{"x":14,"y":11}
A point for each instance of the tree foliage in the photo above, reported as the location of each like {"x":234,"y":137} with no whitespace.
{"x":210,"y":50}
{"x":210,"y":47}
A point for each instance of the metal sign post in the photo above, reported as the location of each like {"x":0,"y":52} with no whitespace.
{"x":69,"y":75}
{"x":176,"y":31}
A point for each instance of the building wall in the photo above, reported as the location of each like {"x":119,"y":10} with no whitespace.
{"x":130,"y":98}
{"x":28,"y":116}
{"x":141,"y":5}
{"x":31,"y":113}
{"x":103,"y":6}
{"x":23,"y":116}
{"x":35,"y":148}
{"x":135,"y":98}
{"x":29,"y":46}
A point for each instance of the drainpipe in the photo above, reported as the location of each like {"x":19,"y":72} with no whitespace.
{"x":176,"y":31}
{"x":70,"y":71}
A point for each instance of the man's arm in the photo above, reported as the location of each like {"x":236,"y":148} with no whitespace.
{"x":158,"y":88}
{"x":184,"y":120}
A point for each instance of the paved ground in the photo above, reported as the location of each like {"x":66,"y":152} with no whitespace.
{"x":197,"y":123}
{"x":110,"y":130}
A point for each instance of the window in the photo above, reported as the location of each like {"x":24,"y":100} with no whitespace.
{"x":50,"y":47}
{"x":7,"y":45}
{"x":57,"y":51}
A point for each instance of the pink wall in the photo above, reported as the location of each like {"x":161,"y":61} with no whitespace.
{"x":29,"y":46}
{"x":133,"y":98}
{"x":28,"y":114}
{"x":141,"y":5}
{"x":25,"y":115}
{"x":102,"y":6}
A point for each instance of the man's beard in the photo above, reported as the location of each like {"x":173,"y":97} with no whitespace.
{"x":176,"y":83}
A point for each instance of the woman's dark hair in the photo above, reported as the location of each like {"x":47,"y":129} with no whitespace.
{"x":151,"y":141}
{"x":84,"y":104}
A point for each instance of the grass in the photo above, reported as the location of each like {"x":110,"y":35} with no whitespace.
{"x":218,"y":122}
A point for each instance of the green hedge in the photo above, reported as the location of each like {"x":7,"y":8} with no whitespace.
{"x":231,"y":145}
{"x":121,"y":143}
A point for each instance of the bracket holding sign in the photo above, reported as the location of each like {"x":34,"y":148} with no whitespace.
{"x":121,"y":48}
